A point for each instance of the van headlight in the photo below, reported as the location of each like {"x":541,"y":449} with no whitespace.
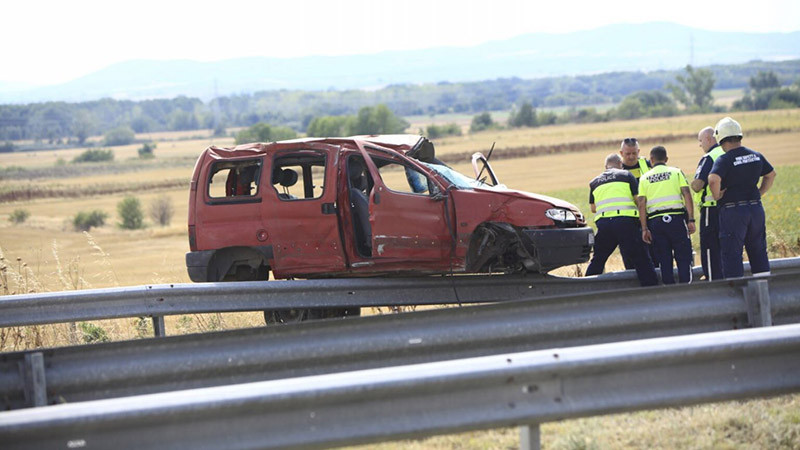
{"x":561,"y":216}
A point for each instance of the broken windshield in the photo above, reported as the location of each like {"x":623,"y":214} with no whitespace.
{"x":459,"y":180}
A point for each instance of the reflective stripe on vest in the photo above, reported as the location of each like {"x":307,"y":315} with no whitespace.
{"x":614,"y":199}
{"x":663,"y":195}
{"x":707,"y":200}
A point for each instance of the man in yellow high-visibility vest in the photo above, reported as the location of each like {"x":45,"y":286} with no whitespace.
{"x":636,"y":165}
{"x":666,"y":213}
{"x":709,"y":214}
{"x":612,"y":199}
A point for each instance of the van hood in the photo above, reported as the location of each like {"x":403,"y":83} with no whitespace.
{"x":556,"y":202}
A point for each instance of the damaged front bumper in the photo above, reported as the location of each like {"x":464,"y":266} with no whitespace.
{"x":558,"y":247}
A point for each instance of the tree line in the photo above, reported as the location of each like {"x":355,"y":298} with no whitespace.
{"x":339,"y":112}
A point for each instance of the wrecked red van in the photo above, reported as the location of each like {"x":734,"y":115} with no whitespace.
{"x":364,"y":206}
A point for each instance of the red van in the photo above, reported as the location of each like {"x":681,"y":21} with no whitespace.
{"x":365,"y":206}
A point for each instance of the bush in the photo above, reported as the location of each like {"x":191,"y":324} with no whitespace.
{"x":98,"y":155}
{"x":19,"y":216}
{"x":146,"y":151}
{"x":91,"y":333}
{"x":119,"y":136}
{"x":84,"y":221}
{"x":437,"y":131}
{"x":130,"y":211}
{"x":161,"y":210}
{"x":481,"y":122}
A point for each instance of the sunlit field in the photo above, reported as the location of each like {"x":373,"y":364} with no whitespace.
{"x":45,"y":253}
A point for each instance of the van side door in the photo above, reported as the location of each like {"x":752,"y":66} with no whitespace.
{"x":301,"y":217}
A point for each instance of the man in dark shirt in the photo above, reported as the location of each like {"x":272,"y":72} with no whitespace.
{"x":612,"y":199}
{"x":709,"y":214}
{"x":734,"y":185}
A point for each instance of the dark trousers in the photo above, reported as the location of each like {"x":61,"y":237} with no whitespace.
{"x":628,"y":260}
{"x":625,"y":233}
{"x":743,"y":226}
{"x":710,"y":256}
{"x":671,"y":240}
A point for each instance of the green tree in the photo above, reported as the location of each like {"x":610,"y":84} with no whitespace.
{"x":130,"y":212}
{"x":327,"y":126}
{"x":525,"y":117}
{"x":482,"y":121}
{"x":645,"y":104}
{"x":375,"y":120}
{"x":82,"y":126}
{"x":263,"y":132}
{"x":119,"y":136}
{"x":764,"y":80}
{"x":694,"y":89}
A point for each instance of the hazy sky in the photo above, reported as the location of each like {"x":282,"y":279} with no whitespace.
{"x":45,"y":42}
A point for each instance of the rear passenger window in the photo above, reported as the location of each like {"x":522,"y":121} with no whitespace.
{"x":299,"y":176}
{"x":234,"y":179}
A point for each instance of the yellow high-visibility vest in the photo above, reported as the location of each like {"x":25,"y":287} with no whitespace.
{"x":641,"y":169}
{"x":662,"y":188}
{"x":614,"y":199}
{"x":704,"y":197}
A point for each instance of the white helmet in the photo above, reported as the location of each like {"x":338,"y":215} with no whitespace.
{"x":727,"y":127}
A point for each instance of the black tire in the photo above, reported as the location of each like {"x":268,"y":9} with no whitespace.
{"x":286,"y":316}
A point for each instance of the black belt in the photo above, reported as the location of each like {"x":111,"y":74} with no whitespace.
{"x":666,"y":211}
{"x":741,"y":203}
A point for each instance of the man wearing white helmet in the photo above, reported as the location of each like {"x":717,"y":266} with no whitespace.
{"x":734,"y":184}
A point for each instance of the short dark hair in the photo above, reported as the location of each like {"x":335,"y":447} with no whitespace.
{"x":658,"y":153}
{"x":735,"y":139}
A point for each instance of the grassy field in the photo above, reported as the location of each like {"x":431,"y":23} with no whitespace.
{"x":46,"y":254}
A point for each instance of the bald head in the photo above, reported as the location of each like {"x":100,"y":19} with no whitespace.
{"x":613,"y":161}
{"x":705,"y":138}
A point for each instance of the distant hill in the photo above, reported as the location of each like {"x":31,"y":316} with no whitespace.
{"x":641,"y":47}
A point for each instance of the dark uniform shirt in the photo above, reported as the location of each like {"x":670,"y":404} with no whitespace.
{"x":636,"y":169}
{"x":611,"y":175}
{"x":705,"y":165}
{"x":740,"y":168}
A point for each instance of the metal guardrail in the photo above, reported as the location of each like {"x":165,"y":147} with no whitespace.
{"x":419,"y":400}
{"x":118,"y":369}
{"x":193,"y":298}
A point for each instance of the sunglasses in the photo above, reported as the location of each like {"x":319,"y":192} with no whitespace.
{"x":630,"y":141}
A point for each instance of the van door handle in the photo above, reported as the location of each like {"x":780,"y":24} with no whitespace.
{"x":329,"y":208}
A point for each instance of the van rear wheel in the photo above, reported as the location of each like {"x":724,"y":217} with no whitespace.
{"x":285,"y":316}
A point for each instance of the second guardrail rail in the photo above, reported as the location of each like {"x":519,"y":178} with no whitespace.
{"x":72,"y":374}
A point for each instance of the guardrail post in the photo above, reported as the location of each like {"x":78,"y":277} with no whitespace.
{"x":530,"y":437}
{"x":35,"y":384}
{"x":158,"y":326}
{"x":759,"y":308}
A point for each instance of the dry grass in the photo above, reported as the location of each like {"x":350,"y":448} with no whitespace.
{"x":755,"y":424}
{"x":44,"y":254}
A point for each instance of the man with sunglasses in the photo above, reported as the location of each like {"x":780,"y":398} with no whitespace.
{"x":629,"y":151}
{"x":734,"y":182}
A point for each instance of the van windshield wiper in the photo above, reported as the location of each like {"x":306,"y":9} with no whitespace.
{"x":484,"y":166}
